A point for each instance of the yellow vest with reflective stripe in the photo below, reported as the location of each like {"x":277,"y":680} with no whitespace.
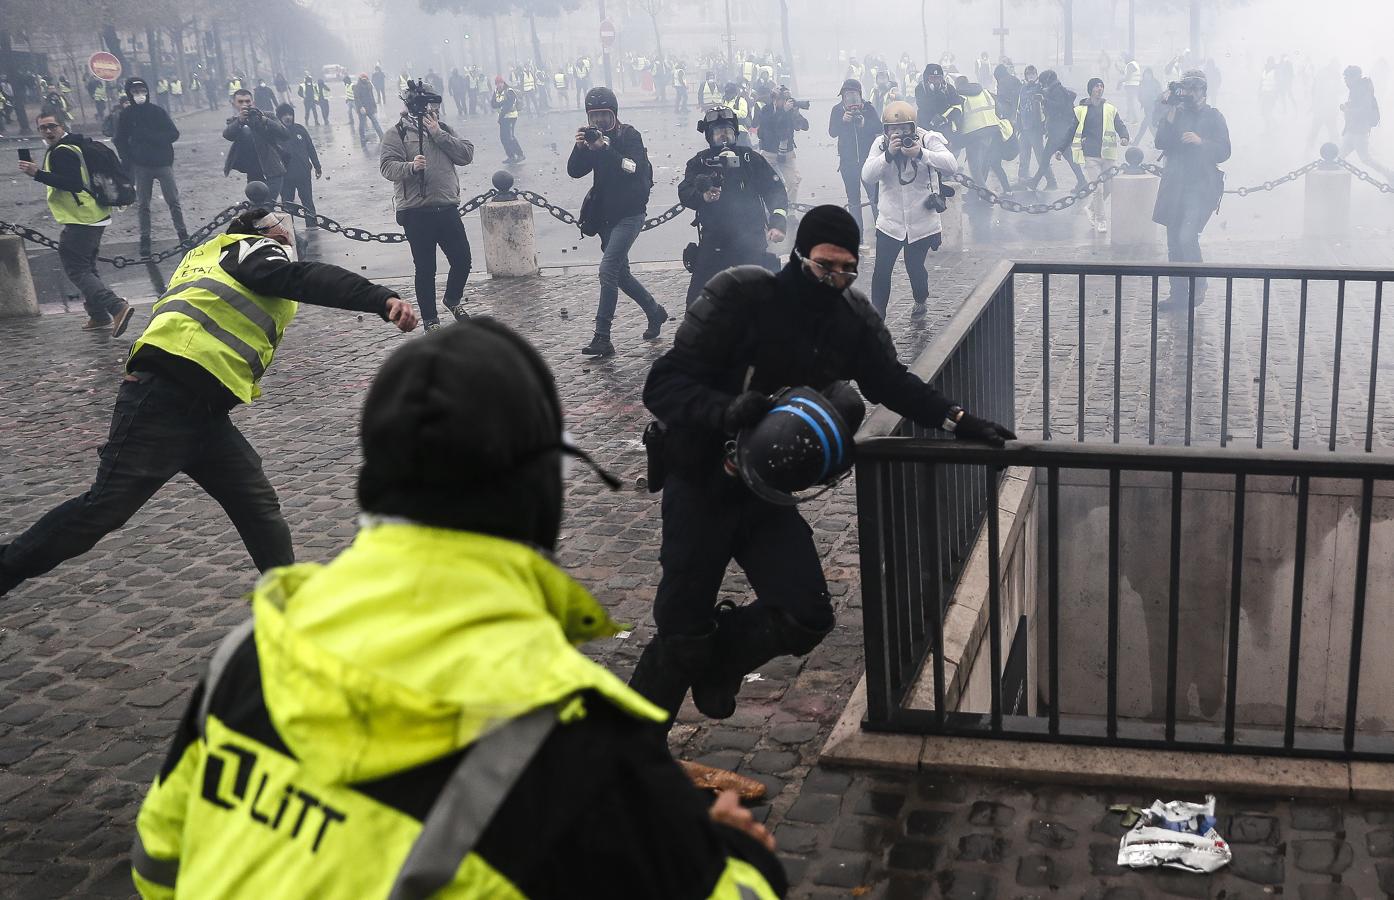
{"x":236,"y":816}
{"x":1110,"y":144}
{"x":979,"y":111}
{"x":528,"y":82}
{"x":208,"y":317}
{"x":69,"y":208}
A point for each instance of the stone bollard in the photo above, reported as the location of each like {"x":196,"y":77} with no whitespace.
{"x":1134,"y":194}
{"x":951,"y":220}
{"x":510,"y":240}
{"x":1326,"y":208}
{"x":17,"y":296}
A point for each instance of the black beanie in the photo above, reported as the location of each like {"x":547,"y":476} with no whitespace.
{"x":462,"y":429}
{"x":827,"y":225}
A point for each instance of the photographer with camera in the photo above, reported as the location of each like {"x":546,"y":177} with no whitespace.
{"x":856,"y":129}
{"x":614,"y":154}
{"x":419,"y":157}
{"x":776,"y":123}
{"x":740,"y":202}
{"x":1195,"y":140}
{"x":256,"y":143}
{"x":906,"y":165}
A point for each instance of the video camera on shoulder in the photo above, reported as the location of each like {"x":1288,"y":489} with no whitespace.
{"x":420,"y":99}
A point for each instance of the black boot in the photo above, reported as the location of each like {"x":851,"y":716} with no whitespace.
{"x":747,"y":637}
{"x":599,"y":347}
{"x":667,"y":666}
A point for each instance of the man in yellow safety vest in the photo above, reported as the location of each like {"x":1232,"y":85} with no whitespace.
{"x":1099,"y":132}
{"x":211,"y":336}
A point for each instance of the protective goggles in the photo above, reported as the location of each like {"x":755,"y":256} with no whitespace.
{"x":838,"y":279}
{"x":719,"y":114}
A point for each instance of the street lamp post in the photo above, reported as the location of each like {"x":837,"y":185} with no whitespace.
{"x":730,"y":38}
{"x":605,"y":52}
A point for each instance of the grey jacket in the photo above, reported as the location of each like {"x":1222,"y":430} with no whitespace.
{"x":255,"y":145}
{"x":439,"y":184}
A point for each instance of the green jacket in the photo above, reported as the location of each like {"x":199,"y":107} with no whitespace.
{"x":335,"y":722}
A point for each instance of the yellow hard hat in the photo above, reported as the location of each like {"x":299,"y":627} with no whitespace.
{"x":898,"y":112}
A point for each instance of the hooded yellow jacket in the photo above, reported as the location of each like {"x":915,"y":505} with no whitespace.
{"x":335,"y":721}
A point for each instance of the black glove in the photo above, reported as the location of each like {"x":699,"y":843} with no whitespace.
{"x":972,"y":428}
{"x":745,"y":410}
{"x":707,"y":182}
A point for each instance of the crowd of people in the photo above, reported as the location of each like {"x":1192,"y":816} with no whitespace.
{"x":367,"y":746}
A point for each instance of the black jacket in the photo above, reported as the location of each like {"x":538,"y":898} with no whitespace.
{"x":777,"y":127}
{"x":854,"y":138}
{"x":145,"y":135}
{"x":263,"y":267}
{"x":298,"y":152}
{"x":753,"y":199}
{"x":1192,"y":170}
{"x":785,"y":331}
{"x":255,"y":145}
{"x":940,"y":111}
{"x":1059,"y":115}
{"x":365,"y":98}
{"x":615,"y":194}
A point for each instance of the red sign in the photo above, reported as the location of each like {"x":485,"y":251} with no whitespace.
{"x":607,"y":34}
{"x":104,"y":66}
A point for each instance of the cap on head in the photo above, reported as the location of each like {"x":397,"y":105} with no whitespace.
{"x":828,"y":224}
{"x":135,"y":85}
{"x":1093,"y":83}
{"x":933,"y":69}
{"x":481,"y":397}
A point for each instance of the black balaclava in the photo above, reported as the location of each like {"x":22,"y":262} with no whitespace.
{"x":462,"y":429}
{"x":822,"y":225}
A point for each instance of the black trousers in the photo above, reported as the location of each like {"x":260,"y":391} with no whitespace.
{"x":427,"y":228}
{"x":711,"y":260}
{"x":301,"y":183}
{"x":707,"y":522}
{"x":887,"y":249}
{"x":852,"y":182}
{"x":158,"y":429}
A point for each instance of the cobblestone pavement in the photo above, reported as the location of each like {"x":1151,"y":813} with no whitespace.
{"x":97,"y":659}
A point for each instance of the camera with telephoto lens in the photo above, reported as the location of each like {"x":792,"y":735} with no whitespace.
{"x":801,"y":104}
{"x":419,"y":98}
{"x":591,"y":134}
{"x":935,"y":202}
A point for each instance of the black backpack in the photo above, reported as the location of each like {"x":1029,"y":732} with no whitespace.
{"x":107,"y":180}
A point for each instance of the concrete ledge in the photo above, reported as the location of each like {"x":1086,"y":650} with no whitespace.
{"x":848,"y":745}
{"x":1160,"y":770}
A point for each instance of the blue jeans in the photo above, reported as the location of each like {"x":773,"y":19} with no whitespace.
{"x":615,"y":275}
{"x":158,"y":429}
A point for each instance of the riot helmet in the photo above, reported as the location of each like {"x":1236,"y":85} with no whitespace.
{"x":898,"y":118}
{"x":805,"y":440}
{"x":602,"y":108}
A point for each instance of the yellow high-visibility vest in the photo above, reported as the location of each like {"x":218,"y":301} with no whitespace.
{"x":209,"y":318}
{"x":1110,"y":144}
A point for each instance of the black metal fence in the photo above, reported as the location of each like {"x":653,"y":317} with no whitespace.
{"x":1137,"y":398}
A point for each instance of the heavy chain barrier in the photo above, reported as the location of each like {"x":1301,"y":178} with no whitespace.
{"x":1276,"y":182}
{"x":570,"y":218}
{"x":561,"y":214}
{"x":218,"y":222}
{"x":1365,"y":176}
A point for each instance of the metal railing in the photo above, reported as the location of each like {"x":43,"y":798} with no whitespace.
{"x":1140,"y":371}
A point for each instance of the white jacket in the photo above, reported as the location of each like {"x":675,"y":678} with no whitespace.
{"x":901,"y":212}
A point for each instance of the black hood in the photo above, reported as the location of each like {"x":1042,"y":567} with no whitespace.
{"x":132,"y":84}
